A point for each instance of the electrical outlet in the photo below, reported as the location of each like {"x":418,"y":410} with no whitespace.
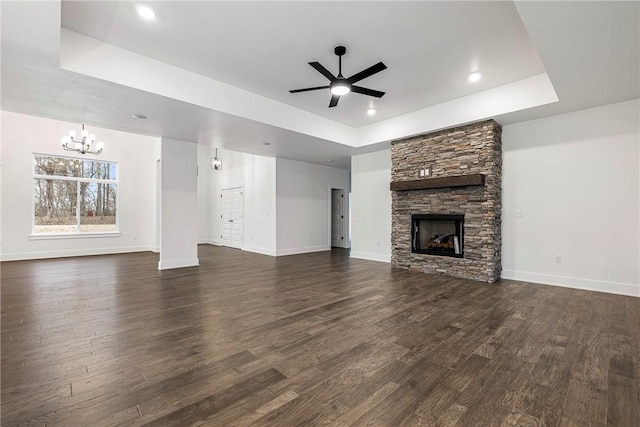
{"x":519,"y":214}
{"x":559,"y":259}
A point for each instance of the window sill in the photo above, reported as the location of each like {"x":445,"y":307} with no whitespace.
{"x":73,"y":235}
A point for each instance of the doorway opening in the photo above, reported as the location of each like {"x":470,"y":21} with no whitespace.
{"x":337,"y":218}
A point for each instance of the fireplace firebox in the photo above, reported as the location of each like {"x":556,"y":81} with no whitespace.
{"x":437,"y":235}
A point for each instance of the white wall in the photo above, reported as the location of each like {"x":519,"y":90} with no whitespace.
{"x":575,"y":177}
{"x":178,"y":204}
{"x":303,"y":193}
{"x":136,"y":155}
{"x":257,"y":176}
{"x":371,"y":206}
{"x":204,"y":190}
{"x":299,"y":193}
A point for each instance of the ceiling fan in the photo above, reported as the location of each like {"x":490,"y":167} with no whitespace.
{"x":339,"y":84}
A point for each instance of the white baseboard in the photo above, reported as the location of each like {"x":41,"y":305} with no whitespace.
{"x":273,"y":252}
{"x":303,"y":250}
{"x":205,"y":242}
{"x":65,"y":253}
{"x":259,"y":250}
{"x":371,"y":257}
{"x":178,"y":263}
{"x":617,"y":288}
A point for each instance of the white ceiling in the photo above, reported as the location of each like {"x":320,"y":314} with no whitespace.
{"x":264,"y":47}
{"x":251,"y":53}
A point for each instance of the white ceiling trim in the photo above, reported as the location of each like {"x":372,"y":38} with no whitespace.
{"x":94,"y":58}
{"x":98,"y":59}
{"x":527,"y":93}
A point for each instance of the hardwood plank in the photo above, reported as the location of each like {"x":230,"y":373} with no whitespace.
{"x":436,"y":403}
{"x":452,"y":415}
{"x":414,"y":420}
{"x":461,"y":377}
{"x":623,"y":403}
{"x":585,"y":404}
{"x":593,"y":361}
{"x":367,"y":402}
{"x":218,"y":401}
{"x":267,"y":408}
{"x":621,"y":355}
{"x":520,"y":419}
{"x":421,"y":378}
{"x":312,"y":339}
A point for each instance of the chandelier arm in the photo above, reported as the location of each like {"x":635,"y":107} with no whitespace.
{"x":85,"y":147}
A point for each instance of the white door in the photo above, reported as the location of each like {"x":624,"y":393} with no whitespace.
{"x":337,"y":218}
{"x":232,"y":217}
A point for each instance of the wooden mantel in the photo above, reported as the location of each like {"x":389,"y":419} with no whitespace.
{"x":439,"y":182}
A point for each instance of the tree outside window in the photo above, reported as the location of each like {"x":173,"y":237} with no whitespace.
{"x":74,"y":195}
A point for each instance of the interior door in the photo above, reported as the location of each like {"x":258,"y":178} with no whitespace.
{"x":232,"y":217}
{"x":337,"y":218}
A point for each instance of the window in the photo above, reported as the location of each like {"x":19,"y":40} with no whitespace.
{"x":74,"y":196}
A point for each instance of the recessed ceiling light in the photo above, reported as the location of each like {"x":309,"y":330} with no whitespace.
{"x":371,"y":111}
{"x":139,"y":116}
{"x":475,"y":76}
{"x":146,"y":12}
{"x":266,"y":143}
{"x":330,"y":160}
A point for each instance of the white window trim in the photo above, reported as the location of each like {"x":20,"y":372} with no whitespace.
{"x":77,"y":234}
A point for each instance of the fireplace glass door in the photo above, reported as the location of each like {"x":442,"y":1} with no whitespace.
{"x":437,"y":234}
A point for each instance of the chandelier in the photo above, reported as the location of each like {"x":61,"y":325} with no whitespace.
{"x":216,"y":162}
{"x":83,"y":145}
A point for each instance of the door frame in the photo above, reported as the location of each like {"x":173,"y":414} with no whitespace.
{"x":345,"y":222}
{"x":235,"y":187}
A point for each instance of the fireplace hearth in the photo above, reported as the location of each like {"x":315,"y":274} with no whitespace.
{"x":440,"y":235}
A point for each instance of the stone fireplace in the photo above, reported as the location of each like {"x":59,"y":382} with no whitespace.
{"x":446,"y":202}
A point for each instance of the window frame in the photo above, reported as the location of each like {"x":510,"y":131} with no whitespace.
{"x":78,"y":234}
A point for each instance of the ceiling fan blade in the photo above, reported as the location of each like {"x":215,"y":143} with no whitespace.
{"x":366,"y":73}
{"x":365,"y":91}
{"x":308,"y":89}
{"x":334,"y":100}
{"x":323,"y":71}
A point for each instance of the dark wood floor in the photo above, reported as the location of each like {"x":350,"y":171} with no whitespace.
{"x":316,"y":339}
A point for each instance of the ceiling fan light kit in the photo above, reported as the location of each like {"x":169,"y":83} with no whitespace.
{"x":340,"y":88}
{"x":339,"y":85}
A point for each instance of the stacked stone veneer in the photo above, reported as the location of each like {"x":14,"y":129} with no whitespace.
{"x":469,"y":149}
